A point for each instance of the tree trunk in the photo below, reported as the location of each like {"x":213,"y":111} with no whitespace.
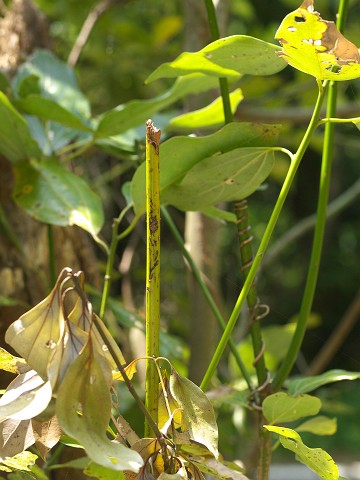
{"x":201,"y":232}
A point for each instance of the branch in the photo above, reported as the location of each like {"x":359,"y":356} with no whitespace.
{"x":87,"y":27}
{"x":296,"y":116}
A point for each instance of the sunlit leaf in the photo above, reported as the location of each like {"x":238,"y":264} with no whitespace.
{"x":180,"y":154}
{"x":319,"y":425}
{"x":49,"y":109}
{"x":52,"y":194}
{"x":197,"y":412}
{"x":22,"y":461}
{"x":12,"y":364}
{"x":15,"y":437}
{"x":281,"y":407}
{"x":309,"y":384}
{"x":130,"y":371}
{"x":25,"y":397}
{"x":56,"y":81}
{"x":210,"y":116}
{"x":16,"y":142}
{"x":84,"y":407}
{"x":227,"y":57}
{"x":136,"y":112}
{"x":37,"y":332}
{"x":315,"y":46}
{"x":315,"y":458}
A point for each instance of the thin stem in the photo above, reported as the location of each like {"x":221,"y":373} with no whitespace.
{"x":313,"y":271}
{"x":152,"y":296}
{"x":207,"y":294}
{"x":224,"y":86}
{"x":340,"y":120}
{"x":109,"y":268}
{"x":265,"y":240}
{"x":115,"y":238}
{"x":128,"y":382}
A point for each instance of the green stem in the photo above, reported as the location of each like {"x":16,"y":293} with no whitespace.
{"x":109,"y":268}
{"x":152,"y":296}
{"x":340,"y":120}
{"x":224,"y":86}
{"x":266,"y":238}
{"x":313,"y":271}
{"x":115,"y":238}
{"x":207,"y":294}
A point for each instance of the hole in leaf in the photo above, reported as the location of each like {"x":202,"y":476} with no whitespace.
{"x":334,"y":68}
{"x":50,"y":344}
{"x":299,"y":19}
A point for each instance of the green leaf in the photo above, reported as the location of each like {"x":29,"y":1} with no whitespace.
{"x":231,"y":176}
{"x":16,"y":142}
{"x":136,"y":112}
{"x":49,"y":109}
{"x":57,"y":81}
{"x":102,"y":473}
{"x":179,"y":154}
{"x":308,"y":384}
{"x":319,"y":425}
{"x":221,"y":469}
{"x":281,"y":407}
{"x":52,"y":194}
{"x":197,"y":412}
{"x":315,"y":46}
{"x":209,"y":116}
{"x":227,"y":57}
{"x":77,"y":463}
{"x":315,"y":458}
{"x":84,"y":407}
{"x":22,"y":461}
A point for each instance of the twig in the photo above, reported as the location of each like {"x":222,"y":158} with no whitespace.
{"x":337,"y":338}
{"x":86,"y":29}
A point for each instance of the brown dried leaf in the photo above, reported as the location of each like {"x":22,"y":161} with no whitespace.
{"x":46,"y":434}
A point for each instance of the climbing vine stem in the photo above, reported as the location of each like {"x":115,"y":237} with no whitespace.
{"x":324,"y":187}
{"x":296,"y":160}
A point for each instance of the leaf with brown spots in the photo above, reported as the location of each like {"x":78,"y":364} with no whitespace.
{"x":315,"y":46}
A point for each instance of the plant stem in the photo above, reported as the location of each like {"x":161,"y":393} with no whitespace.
{"x":224,"y":86}
{"x":152,"y":308}
{"x":207,"y":294}
{"x":115,"y":237}
{"x":313,"y":271}
{"x":266,"y":238}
